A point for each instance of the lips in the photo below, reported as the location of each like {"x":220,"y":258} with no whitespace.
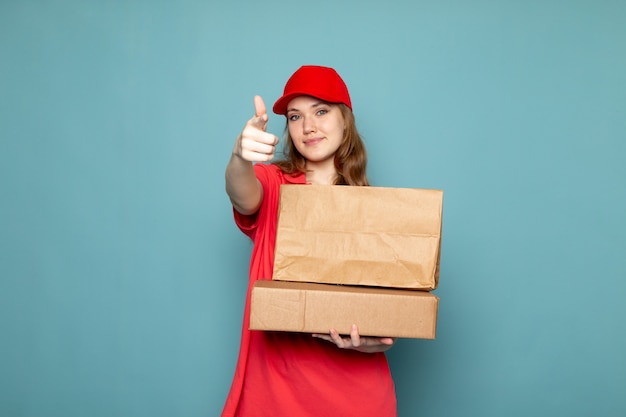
{"x":312,"y":141}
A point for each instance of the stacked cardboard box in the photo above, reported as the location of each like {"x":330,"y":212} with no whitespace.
{"x":344,"y":255}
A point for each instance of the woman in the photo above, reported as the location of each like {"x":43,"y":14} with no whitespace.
{"x":283,"y":374}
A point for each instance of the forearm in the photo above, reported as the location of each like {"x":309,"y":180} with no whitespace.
{"x":242,"y":186}
{"x":376,"y":345}
{"x":354,"y":341}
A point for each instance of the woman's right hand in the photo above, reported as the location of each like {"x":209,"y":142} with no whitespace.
{"x":254,"y":144}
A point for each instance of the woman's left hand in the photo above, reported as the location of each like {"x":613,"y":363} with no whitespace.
{"x":357,"y":342}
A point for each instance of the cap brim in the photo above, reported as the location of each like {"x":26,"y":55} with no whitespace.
{"x":280,"y":107}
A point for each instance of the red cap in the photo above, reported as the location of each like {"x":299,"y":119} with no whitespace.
{"x":312,"y":80}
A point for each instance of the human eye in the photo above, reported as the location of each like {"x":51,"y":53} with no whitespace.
{"x":322,"y":112}
{"x":294,"y":117}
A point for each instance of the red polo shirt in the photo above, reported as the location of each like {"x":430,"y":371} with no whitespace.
{"x":282,"y":374}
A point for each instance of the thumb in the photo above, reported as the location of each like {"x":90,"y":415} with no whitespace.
{"x":260,"y":113}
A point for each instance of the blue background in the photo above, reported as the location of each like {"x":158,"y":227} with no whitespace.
{"x":123,"y":275}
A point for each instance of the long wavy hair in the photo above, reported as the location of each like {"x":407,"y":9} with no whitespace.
{"x":350,"y":158}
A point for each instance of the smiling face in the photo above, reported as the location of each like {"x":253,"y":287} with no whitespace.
{"x":316,"y":129}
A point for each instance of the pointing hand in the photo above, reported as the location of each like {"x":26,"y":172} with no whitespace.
{"x":254,"y":144}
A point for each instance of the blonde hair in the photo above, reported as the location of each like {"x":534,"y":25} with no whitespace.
{"x":350,"y":158}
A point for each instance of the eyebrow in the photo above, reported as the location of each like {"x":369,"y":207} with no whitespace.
{"x":316,"y":104}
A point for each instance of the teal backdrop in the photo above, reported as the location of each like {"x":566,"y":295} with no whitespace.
{"x":122,"y":275}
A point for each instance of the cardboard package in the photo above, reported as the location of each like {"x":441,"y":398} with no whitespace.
{"x":316,"y":308}
{"x":372,"y":236}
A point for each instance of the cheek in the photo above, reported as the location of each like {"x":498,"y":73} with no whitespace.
{"x":291,"y":129}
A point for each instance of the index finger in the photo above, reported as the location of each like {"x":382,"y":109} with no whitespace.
{"x":259,"y":106}
{"x":260,"y":116}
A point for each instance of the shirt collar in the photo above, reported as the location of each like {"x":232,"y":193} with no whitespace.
{"x":295,"y":178}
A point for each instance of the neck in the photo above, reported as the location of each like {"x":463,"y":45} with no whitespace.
{"x":320,"y":173}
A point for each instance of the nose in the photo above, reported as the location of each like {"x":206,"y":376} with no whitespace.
{"x":308,"y":125}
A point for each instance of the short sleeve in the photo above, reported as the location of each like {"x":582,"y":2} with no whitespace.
{"x":267,"y":176}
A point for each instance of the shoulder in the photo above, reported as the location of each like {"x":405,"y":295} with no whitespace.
{"x":269,"y":174}
{"x":267,"y":170}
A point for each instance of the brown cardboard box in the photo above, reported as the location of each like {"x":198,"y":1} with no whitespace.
{"x":373,"y":236}
{"x":316,"y":308}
